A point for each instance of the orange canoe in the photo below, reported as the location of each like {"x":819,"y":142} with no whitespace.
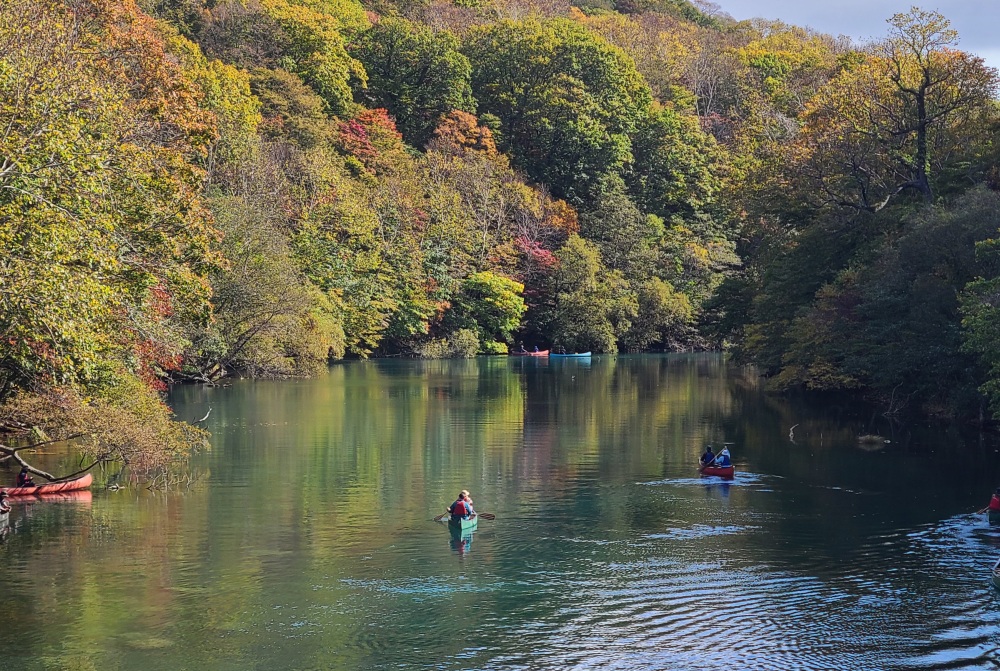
{"x":724,"y":472}
{"x":544,"y":352}
{"x":82,"y":482}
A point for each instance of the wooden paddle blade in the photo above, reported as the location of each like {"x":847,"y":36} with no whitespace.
{"x":488,"y":516}
{"x":441,"y":517}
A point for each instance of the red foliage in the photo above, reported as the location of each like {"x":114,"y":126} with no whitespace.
{"x":372,"y":138}
{"x":538,"y":256}
{"x":154,"y":359}
{"x":160,"y":302}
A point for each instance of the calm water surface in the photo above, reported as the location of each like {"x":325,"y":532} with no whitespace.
{"x":307,"y":542}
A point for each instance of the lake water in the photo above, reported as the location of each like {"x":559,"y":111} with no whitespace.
{"x":306,"y":540}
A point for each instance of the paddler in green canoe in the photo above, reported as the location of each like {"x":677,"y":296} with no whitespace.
{"x":461,"y":509}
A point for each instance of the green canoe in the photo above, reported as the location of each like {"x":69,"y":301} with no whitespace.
{"x":469,"y":524}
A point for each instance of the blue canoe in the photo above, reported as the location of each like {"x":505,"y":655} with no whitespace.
{"x":567,"y":356}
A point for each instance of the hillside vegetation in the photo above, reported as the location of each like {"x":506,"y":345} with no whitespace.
{"x":195,"y":188}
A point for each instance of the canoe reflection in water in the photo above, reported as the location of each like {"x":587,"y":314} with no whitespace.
{"x":461,"y":534}
{"x":718,"y":489}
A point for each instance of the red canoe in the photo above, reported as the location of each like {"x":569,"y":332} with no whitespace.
{"x":544,"y":352}
{"x":82,"y":482}
{"x":727,"y":472}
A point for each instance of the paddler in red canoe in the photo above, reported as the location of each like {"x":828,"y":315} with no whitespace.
{"x":24,"y":478}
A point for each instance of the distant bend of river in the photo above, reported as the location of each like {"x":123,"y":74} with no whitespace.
{"x":307,"y":541}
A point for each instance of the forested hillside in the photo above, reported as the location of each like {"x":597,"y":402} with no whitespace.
{"x":195,"y":188}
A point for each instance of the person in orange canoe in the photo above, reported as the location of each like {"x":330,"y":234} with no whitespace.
{"x":24,"y":478}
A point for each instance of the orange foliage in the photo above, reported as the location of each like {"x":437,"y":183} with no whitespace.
{"x":561,"y":216}
{"x":459,"y":132}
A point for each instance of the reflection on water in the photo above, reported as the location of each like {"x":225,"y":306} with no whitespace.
{"x":461,"y":540}
{"x":307,"y":542}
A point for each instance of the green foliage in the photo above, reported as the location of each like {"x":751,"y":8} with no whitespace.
{"x":980,"y":309}
{"x":790,"y":283}
{"x":105,"y":236}
{"x":269,"y":320}
{"x":291,"y":111}
{"x":491,"y":306}
{"x":124,"y":138}
{"x":663,"y":317}
{"x":103,"y":232}
{"x":316,"y":47}
{"x":676,"y":166}
{"x":567,"y":100}
{"x":679,"y":8}
{"x":591,"y":306}
{"x":226,"y":93}
{"x":628,"y":239}
{"x":127,"y":424}
{"x":462,"y":344}
{"x":336,"y":246}
{"x":915,"y":110}
{"x":305,"y":37}
{"x":890,"y":322}
{"x":417,"y":74}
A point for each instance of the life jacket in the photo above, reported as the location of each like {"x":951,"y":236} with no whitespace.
{"x":459,"y":509}
{"x":995,"y":502}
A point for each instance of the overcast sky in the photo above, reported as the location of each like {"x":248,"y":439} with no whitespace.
{"x":977,"y":21}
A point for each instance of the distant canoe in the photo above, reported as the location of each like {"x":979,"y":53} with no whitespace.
{"x":82,"y":482}
{"x":581,"y":355}
{"x":722,"y":472}
{"x":544,"y":352}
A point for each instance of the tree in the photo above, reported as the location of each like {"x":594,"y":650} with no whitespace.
{"x":661,"y":46}
{"x":890,"y":323}
{"x":567,"y":100}
{"x":663,"y":316}
{"x":308,"y":39}
{"x":269,"y":320}
{"x":491,"y":305}
{"x":676,"y":167}
{"x":105,"y":235}
{"x":226,"y":93}
{"x":418,"y":75}
{"x":591,"y":306}
{"x":291,"y":111}
{"x":896,"y":121}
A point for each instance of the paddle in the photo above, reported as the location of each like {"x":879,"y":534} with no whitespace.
{"x":441,"y":517}
{"x":980,"y":512}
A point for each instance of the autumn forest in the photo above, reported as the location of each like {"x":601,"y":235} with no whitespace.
{"x":196,"y":189}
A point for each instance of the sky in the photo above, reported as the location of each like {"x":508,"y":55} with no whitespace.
{"x":977,"y":21}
